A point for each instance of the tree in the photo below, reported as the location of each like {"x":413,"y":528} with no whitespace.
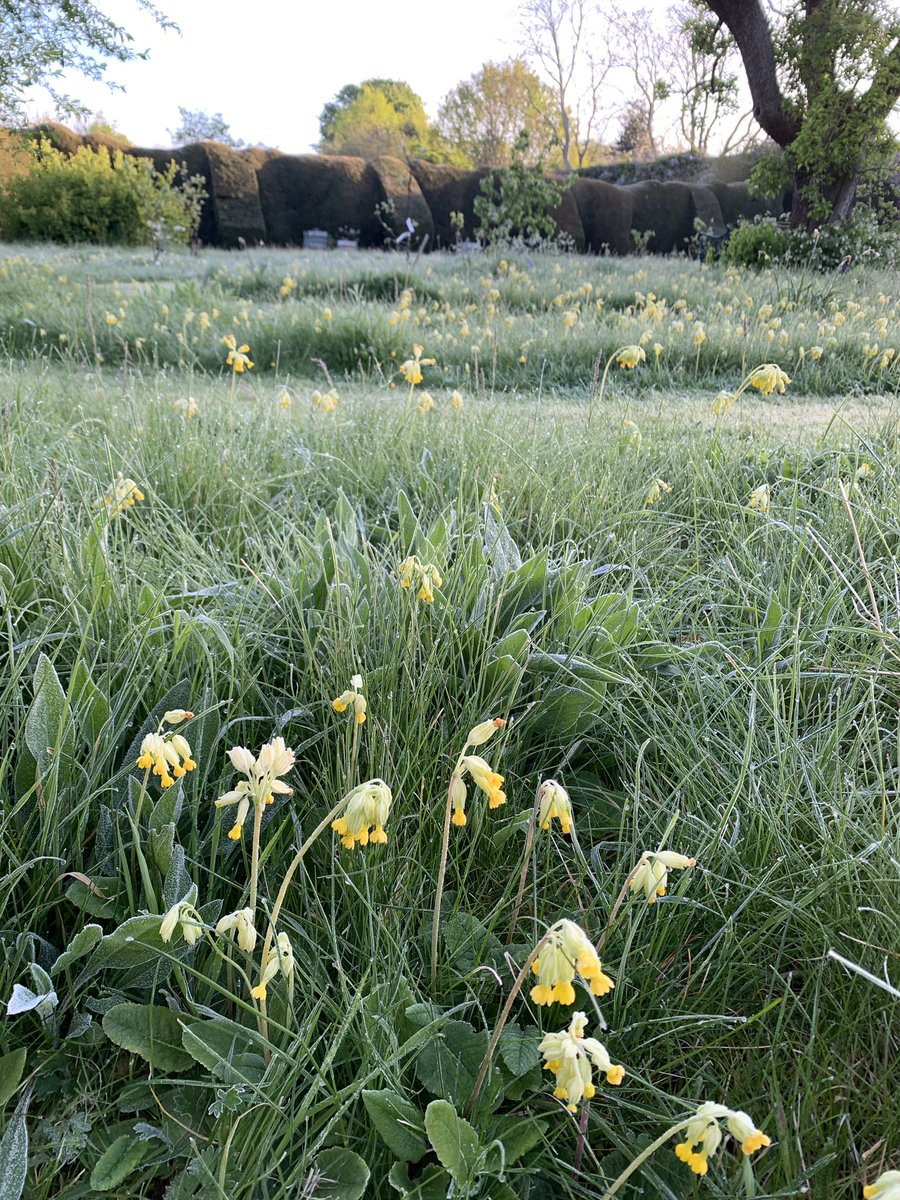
{"x":557,"y":34}
{"x":199,"y":126}
{"x":645,"y":52}
{"x":704,"y":56}
{"x":40,"y":42}
{"x":633,"y":133}
{"x":823,"y":83}
{"x":482,"y":117}
{"x":378,"y":116}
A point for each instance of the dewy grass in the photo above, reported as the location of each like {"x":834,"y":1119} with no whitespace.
{"x":710,"y":678}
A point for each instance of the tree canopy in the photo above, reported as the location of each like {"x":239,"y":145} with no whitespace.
{"x":40,"y":42}
{"x":196,"y":125}
{"x":483,"y":116}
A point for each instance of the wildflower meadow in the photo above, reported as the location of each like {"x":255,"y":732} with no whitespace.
{"x":449,"y":727}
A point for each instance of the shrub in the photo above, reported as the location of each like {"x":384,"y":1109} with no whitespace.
{"x":755,"y":244}
{"x":94,"y":195}
{"x":515,"y":202}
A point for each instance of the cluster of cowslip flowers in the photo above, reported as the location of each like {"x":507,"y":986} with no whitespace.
{"x":241,"y":927}
{"x":238,"y":356}
{"x":704,"y":1135}
{"x":262,"y":783}
{"x":629,"y":357}
{"x":185,"y":915}
{"x":352,"y":697}
{"x":760,"y":498}
{"x":425,"y":577}
{"x":566,"y":949}
{"x":411,"y":370}
{"x":165,"y":752}
{"x":279,"y":960}
{"x":657,"y":488}
{"x":365,"y":815}
{"x":483,"y":776}
{"x":125,"y":493}
{"x":573,"y":1058}
{"x":767,"y":378}
{"x":325,"y":402}
{"x":651,"y":875}
{"x":554,"y":804}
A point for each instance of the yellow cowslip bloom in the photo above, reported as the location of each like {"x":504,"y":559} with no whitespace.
{"x":280,"y":958}
{"x":240,"y":925}
{"x":262,"y":783}
{"x":815,"y":353}
{"x":353,"y":695}
{"x":458,"y":800}
{"x":184,"y":914}
{"x":566,"y":949}
{"x":168,"y":755}
{"x":759,"y":498}
{"x":486,"y":779}
{"x":411,"y":370}
{"x":174,"y":716}
{"x":325,"y":402}
{"x":124,"y":494}
{"x":652,"y":872}
{"x":573,"y":1058}
{"x":554,"y":802}
{"x":704,"y":1135}
{"x":699,"y":336}
{"x":484,"y":732}
{"x":723,"y":403}
{"x":426,"y":403}
{"x":630,"y":436}
{"x":658,"y":349}
{"x":887,"y":358}
{"x":456,"y":400}
{"x":657,"y":488}
{"x":885,"y":1187}
{"x":365,"y":815}
{"x":768,"y":377}
{"x":425,"y":576}
{"x":238,"y":356}
{"x":630,"y":356}
{"x":111,"y":319}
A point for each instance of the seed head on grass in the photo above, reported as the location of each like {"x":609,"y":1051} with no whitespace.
{"x":573,"y":1058}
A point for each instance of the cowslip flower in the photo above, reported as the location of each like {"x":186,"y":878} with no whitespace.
{"x":240,"y":925}
{"x":184,"y":914}
{"x":238,"y":356}
{"x":424,"y":576}
{"x":279,"y":959}
{"x":657,"y":488}
{"x":704,"y":1135}
{"x":759,"y":498}
{"x":484,"y":731}
{"x":365,"y":815}
{"x":652,"y":872}
{"x":262,"y":783}
{"x":353,"y":695}
{"x":554,"y":802}
{"x":767,"y":377}
{"x":486,"y":779}
{"x":124,"y":494}
{"x":325,"y":402}
{"x":411,"y":370}
{"x":168,"y":754}
{"x":573,"y":1058}
{"x":630,"y":436}
{"x":885,"y":1187}
{"x":426,"y":403}
{"x":723,"y":403}
{"x":567,"y":949}
{"x":629,"y":356}
{"x":456,"y":400}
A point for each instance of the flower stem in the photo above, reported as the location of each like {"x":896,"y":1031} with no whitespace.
{"x":602,"y":387}
{"x":442,"y":869}
{"x":502,"y":1019}
{"x":254,"y":855}
{"x":523,"y":878}
{"x":644,"y":1155}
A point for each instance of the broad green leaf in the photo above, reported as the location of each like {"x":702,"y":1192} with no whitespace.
{"x":448,"y":1065}
{"x":47,"y":730}
{"x":399,"y":1123}
{"x":97,"y":897}
{"x":117,"y":1162}
{"x":468,"y":941}
{"x":223,"y":1046}
{"x":343,"y":1175}
{"x":453,"y":1139}
{"x":518,"y":1048}
{"x":11,"y":1067}
{"x":81,"y":944}
{"x":89,"y":702}
{"x":408,"y":523}
{"x":432,"y":1184}
{"x":518,"y":1135}
{"x":151,"y":1031}
{"x":14,"y":1153}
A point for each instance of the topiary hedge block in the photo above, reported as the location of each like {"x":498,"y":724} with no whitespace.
{"x":667,"y":209}
{"x":605,"y":213}
{"x":449,"y":189}
{"x":329,"y":192}
{"x":568,"y":219}
{"x":708,"y":210}
{"x":736,"y":202}
{"x":401,"y":187}
{"x":235,"y":196}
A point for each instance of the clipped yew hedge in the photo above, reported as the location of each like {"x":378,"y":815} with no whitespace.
{"x":605,"y":213}
{"x":309,"y":191}
{"x":446,"y":190}
{"x":401,"y":188}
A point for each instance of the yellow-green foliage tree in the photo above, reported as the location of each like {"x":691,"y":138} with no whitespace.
{"x":482,"y":117}
{"x":376,"y":117}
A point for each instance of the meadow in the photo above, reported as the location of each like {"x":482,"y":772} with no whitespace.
{"x":674,"y":597}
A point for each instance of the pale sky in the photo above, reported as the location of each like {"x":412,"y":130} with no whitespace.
{"x":270,"y":66}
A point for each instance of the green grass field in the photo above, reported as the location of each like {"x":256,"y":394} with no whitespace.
{"x":702,"y":675}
